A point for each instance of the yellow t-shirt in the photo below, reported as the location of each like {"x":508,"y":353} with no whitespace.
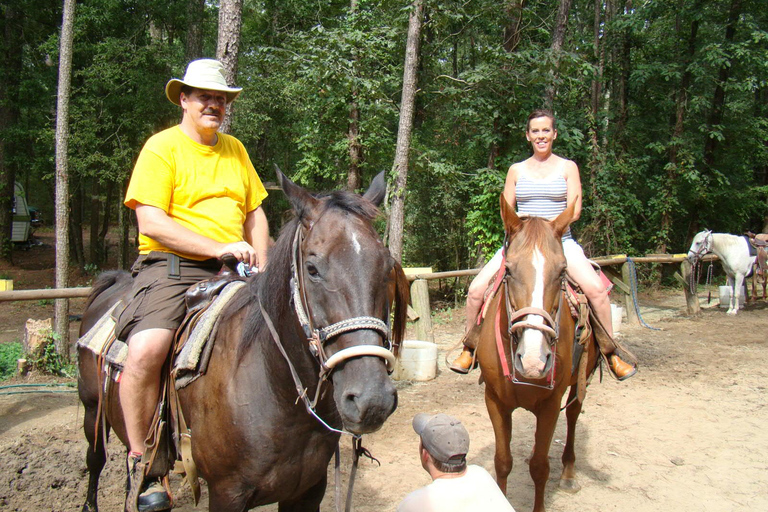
{"x":207,"y":189}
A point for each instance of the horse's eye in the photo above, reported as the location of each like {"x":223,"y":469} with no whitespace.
{"x":312,"y":270}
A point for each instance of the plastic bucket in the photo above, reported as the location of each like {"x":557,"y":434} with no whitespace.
{"x":725,"y":296}
{"x":417,"y":361}
{"x":616,"y":314}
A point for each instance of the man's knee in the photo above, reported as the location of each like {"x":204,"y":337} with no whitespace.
{"x":148,"y":349}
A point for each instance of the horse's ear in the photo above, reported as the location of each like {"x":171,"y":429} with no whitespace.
{"x":377,"y":190}
{"x":302,"y":201}
{"x":512,"y":222}
{"x":562,"y":221}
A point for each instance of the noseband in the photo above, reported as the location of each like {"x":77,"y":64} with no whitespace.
{"x":515,"y":325}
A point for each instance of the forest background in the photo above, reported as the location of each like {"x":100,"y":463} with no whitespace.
{"x":663,"y":104}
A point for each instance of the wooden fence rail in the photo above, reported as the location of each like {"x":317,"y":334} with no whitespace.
{"x":621,"y":279}
{"x":421,"y":311}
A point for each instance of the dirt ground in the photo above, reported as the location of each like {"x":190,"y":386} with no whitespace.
{"x":686,"y":433}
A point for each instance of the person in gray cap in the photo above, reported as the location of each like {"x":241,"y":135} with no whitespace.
{"x":455,"y":486}
{"x":197,"y":197}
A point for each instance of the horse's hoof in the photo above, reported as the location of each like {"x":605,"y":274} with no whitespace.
{"x":731,"y":312}
{"x":570,"y":485}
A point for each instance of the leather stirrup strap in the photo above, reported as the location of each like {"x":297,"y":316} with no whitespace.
{"x":500,"y":343}
{"x":185,"y":444}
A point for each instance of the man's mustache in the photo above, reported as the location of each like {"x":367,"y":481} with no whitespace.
{"x":212,"y":112}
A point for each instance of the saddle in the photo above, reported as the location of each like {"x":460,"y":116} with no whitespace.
{"x":759,"y":242}
{"x":187,"y":361}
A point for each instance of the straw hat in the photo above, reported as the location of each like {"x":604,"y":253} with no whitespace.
{"x":205,"y":74}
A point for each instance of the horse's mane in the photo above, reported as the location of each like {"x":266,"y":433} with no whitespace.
{"x":274,"y":284}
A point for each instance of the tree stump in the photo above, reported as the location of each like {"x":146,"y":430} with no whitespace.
{"x":36,"y":334}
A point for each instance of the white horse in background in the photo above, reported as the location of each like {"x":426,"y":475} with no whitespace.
{"x":733,"y":252}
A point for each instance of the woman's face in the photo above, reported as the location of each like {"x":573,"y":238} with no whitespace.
{"x":541,"y":134}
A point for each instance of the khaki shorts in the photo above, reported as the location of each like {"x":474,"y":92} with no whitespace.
{"x":156,"y":300}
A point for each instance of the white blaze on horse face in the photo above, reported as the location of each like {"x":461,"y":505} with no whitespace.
{"x":532,"y":346}
{"x":355,"y":243}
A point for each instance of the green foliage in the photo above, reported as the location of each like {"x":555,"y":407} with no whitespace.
{"x":9,"y":354}
{"x":48,"y":360}
{"x":646,"y":179}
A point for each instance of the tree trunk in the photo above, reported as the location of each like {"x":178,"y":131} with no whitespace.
{"x":681,"y":104}
{"x":61,"y":308}
{"x":625,"y":49}
{"x":103,"y":245}
{"x":194,"y":43}
{"x":76,"y":223}
{"x":94,"y":251}
{"x":228,"y":48}
{"x":354,"y":180}
{"x":514,"y":11}
{"x":404,"y":130}
{"x":558,"y":36}
{"x":718,"y":100}
{"x":10,"y":73}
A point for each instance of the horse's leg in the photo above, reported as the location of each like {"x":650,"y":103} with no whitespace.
{"x":730,"y":281}
{"x":95,"y":458}
{"x":309,"y":501}
{"x":738,"y":282}
{"x":501,"y":419}
{"x":568,"y":481}
{"x":546,"y":420}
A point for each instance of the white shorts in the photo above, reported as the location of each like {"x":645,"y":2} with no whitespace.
{"x":571,"y":249}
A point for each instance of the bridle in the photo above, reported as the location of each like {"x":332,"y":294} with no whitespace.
{"x":704,"y":247}
{"x":317,"y":338}
{"x":517,"y":322}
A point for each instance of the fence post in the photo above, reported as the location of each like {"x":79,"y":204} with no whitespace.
{"x":420,"y":303}
{"x":691,"y":295}
{"x":629,"y":304}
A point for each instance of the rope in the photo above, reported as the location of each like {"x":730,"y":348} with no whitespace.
{"x":633,"y":287}
{"x":710,"y":270}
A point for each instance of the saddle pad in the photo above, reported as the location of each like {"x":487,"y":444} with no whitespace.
{"x":185,"y":368}
{"x":752,"y":248}
{"x":101,"y":336}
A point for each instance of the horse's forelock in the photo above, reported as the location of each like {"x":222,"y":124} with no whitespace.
{"x":534,"y":232}
{"x":349,"y":202}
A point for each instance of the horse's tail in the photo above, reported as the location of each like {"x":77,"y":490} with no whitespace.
{"x":402,"y":298}
{"x":105,"y":281}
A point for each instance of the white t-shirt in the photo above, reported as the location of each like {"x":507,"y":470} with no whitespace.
{"x":475,"y":490}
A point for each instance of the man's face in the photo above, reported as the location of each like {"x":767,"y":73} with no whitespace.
{"x":205,"y":108}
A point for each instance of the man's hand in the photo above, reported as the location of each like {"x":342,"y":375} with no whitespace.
{"x":242,"y":251}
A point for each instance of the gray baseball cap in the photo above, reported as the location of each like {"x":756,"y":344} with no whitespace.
{"x":444,"y":437}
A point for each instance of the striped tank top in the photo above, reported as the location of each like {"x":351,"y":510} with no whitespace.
{"x":546,"y":197}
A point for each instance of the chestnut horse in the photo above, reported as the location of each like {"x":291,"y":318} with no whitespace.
{"x":530,"y":322}
{"x":318,"y":313}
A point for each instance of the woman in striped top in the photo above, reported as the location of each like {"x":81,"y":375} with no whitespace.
{"x":543,"y":186}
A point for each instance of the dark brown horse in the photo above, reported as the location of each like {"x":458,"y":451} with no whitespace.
{"x":529,"y":321}
{"x":329,"y":279}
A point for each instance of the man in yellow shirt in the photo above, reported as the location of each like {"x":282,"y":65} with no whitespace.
{"x":197,"y":197}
